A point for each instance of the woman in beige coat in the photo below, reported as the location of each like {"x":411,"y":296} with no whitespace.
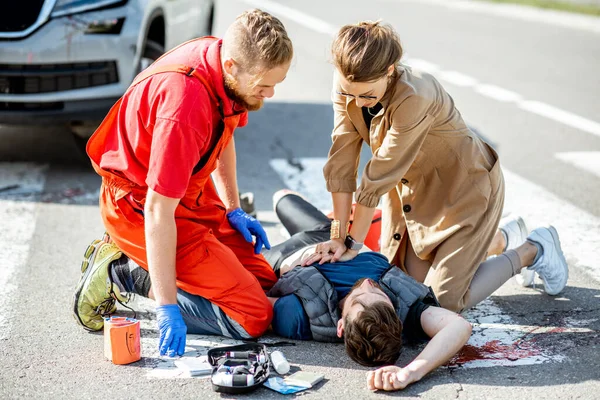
{"x":441,"y":186}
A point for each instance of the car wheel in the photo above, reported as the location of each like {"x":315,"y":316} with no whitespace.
{"x":81,"y":132}
{"x":152,"y":51}
{"x":211,"y":20}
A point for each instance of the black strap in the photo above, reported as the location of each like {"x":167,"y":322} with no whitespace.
{"x":204,"y":159}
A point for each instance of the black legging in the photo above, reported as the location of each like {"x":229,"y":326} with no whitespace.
{"x":304,"y":222}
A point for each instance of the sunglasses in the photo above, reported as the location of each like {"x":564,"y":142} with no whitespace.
{"x":363,"y":97}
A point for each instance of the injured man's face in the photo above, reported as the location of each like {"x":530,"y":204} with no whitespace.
{"x":365,"y":292}
{"x":370,"y":326}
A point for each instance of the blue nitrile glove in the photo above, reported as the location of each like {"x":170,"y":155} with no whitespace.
{"x":248,"y":226}
{"x":172,"y":330}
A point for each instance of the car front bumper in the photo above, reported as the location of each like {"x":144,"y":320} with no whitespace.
{"x":51,"y":86}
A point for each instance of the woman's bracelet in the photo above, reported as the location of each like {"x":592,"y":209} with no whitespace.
{"x":334,"y":232}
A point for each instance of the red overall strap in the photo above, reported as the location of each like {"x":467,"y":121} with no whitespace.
{"x":180,"y":68}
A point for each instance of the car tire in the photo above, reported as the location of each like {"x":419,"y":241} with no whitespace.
{"x":81,"y":132}
{"x":152,"y":51}
{"x":211,"y":20}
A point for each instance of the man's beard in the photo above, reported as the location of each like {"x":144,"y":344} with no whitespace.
{"x":233,"y":92}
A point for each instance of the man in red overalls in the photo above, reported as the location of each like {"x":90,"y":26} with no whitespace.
{"x":156,"y":151}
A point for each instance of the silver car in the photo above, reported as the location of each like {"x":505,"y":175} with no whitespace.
{"x":68,"y":61}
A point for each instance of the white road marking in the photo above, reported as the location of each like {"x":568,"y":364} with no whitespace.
{"x":18,"y":225}
{"x":308,"y":181}
{"x":423,"y":65}
{"x":488,"y":90}
{"x":552,"y":17}
{"x":540,"y":329}
{"x":498,"y":93}
{"x":574,"y":323}
{"x":507,"y":96}
{"x":525,"y":13}
{"x":586,"y":160}
{"x":457,"y":78}
{"x":562,"y":116}
{"x":306,"y":20}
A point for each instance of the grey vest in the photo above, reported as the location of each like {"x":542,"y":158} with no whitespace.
{"x":320,"y":301}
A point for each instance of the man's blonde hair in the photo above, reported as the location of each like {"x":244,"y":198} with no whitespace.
{"x":258,"y":41}
{"x":363,"y":52}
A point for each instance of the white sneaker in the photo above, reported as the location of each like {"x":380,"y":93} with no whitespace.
{"x":551,"y":266}
{"x":516,"y":233}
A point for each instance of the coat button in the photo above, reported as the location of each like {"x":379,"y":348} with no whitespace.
{"x":407,"y":208}
{"x":397,"y":236}
{"x":404,"y":181}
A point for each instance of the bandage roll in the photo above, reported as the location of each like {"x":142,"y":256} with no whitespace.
{"x":245,"y":355}
{"x":224,"y":379}
{"x":281,"y":365}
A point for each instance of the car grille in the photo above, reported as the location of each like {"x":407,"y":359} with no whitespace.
{"x":7,"y":106}
{"x":16,"y":16}
{"x":45,"y":78}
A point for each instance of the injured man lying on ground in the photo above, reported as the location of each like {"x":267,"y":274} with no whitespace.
{"x":373,"y":306}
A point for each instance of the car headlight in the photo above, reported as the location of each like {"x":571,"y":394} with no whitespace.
{"x":64,"y":7}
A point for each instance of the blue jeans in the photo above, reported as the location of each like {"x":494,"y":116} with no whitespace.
{"x":204,"y":318}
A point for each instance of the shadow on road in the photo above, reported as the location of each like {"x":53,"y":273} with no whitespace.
{"x":45,"y":145}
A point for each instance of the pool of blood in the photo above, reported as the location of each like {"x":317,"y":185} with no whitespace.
{"x":494,"y":350}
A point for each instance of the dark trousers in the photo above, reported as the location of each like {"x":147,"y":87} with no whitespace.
{"x":306,"y":224}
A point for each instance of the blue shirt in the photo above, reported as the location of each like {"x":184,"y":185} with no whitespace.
{"x":343,"y":275}
{"x":289,"y":318}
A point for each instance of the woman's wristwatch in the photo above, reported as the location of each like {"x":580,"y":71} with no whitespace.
{"x":352,"y":244}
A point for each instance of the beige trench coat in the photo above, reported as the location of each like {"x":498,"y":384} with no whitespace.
{"x":440,"y":184}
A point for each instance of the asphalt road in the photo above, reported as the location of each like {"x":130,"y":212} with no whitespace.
{"x":528,"y":82}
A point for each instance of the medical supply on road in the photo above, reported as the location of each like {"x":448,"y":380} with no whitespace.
{"x":280,"y":364}
{"x":122,"y":340}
